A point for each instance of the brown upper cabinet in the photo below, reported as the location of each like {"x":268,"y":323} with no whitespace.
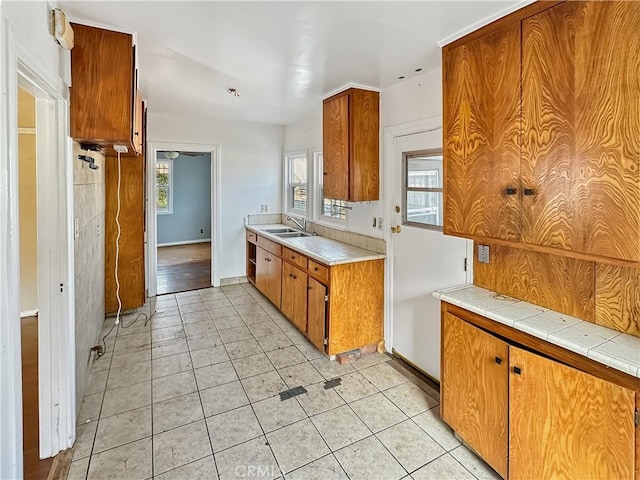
{"x":351,"y":143}
{"x":106,"y":107}
{"x":540,"y":116}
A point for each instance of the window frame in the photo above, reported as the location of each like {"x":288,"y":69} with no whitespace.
{"x":168,"y":187}
{"x":288,"y":185}
{"x":319,"y":216}
{"x":406,"y":156}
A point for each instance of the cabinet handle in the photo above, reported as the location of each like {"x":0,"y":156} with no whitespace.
{"x":315,"y":269}
{"x":510,"y":191}
{"x":324,"y":173}
{"x":290,"y":275}
{"x":136,"y":133}
{"x":309,"y":287}
{"x":529,"y":191}
{"x":498,"y":360}
{"x":293,"y":257}
{"x":294,"y":277}
{"x":517,"y":370}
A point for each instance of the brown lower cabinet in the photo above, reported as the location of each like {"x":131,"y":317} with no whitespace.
{"x":338,"y":308}
{"x":530,"y":416}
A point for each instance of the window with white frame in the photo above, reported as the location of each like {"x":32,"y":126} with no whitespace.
{"x":330,"y":208}
{"x":423,"y":194}
{"x":296,"y":194}
{"x":164,"y":186}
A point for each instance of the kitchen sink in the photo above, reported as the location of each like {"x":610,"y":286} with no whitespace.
{"x":281,"y":230}
{"x":292,"y":234}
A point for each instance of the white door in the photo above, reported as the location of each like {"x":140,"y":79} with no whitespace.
{"x":424,"y":260}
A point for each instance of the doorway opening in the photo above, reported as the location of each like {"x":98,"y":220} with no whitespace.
{"x":183,"y":204}
{"x":183,"y":221}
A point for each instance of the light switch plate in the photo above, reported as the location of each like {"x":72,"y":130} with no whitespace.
{"x":264,"y":208}
{"x":483,"y":253}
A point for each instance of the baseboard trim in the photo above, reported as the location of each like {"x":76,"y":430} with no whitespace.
{"x":187,"y":242}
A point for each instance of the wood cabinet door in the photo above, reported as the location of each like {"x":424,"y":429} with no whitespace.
{"x":335,"y":148}
{"x":317,"y":308}
{"x":274,"y":279}
{"x":287,"y":300}
{"x":474,"y":389}
{"x":482,"y":136}
{"x":138,"y":122}
{"x":262,"y":270}
{"x":581,"y":148}
{"x":564,"y":423}
{"x":299,"y":299}
{"x":364,"y":155}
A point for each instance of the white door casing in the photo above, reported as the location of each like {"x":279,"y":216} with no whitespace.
{"x":419,"y":260}
{"x":151,"y":251}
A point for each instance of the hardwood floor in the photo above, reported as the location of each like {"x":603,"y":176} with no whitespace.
{"x":34,"y":468}
{"x":184,"y":267}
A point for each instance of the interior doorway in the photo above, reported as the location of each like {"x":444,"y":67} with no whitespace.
{"x":183,"y":209}
{"x":183,"y":230}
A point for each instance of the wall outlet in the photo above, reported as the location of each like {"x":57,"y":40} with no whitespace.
{"x":201,"y":231}
{"x":76,"y":228}
{"x":483,"y":253}
{"x":264,"y":208}
{"x":379,"y":223}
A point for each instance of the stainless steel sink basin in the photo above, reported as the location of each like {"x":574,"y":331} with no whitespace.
{"x":281,"y":230}
{"x":292,"y":234}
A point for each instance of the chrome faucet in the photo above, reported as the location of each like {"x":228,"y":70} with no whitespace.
{"x":301,"y":222}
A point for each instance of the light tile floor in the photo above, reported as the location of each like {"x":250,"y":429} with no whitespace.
{"x":195,"y":394}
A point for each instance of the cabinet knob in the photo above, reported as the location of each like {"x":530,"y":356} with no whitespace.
{"x":510,"y":191}
{"x":290,"y":275}
{"x":293,"y":257}
{"x":136,"y":133}
{"x":517,"y":370}
{"x":324,"y":173}
{"x":498,"y":360}
{"x":529,"y":191}
{"x":315,"y":269}
{"x":294,"y":277}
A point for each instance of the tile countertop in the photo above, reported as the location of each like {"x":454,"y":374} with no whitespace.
{"x":322,"y":249}
{"x":609,"y":347}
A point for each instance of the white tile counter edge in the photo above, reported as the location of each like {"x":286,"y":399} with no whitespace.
{"x":358,"y":254}
{"x":603,"y":345}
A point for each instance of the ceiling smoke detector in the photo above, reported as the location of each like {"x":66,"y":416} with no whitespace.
{"x":234,"y":92}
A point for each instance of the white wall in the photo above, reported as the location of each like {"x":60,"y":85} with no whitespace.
{"x":251,"y":172}
{"x":413,"y":99}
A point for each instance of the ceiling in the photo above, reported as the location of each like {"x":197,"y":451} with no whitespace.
{"x":282,"y":57}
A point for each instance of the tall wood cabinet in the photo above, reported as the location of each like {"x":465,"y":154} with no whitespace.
{"x":530,"y":416}
{"x":106,"y":106}
{"x":549,"y":157}
{"x":350,"y":146}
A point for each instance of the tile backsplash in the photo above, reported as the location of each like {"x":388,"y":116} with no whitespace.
{"x":377,"y":245}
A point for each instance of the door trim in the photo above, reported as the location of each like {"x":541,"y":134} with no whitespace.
{"x":391,"y":133}
{"x":151,"y":251}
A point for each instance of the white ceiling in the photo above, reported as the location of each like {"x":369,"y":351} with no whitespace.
{"x":283,"y":57}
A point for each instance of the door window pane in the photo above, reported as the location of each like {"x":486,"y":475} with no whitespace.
{"x":423,"y":198}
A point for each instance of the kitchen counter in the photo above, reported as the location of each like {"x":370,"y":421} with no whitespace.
{"x":324,"y":250}
{"x":603,"y":345}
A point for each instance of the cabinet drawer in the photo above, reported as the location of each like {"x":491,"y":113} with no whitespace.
{"x":319,"y":270}
{"x":269,"y":246}
{"x":252,"y":237}
{"x":294,"y":257}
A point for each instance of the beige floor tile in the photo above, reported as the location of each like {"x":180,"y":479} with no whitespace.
{"x":235,"y":462}
{"x":383,"y":375}
{"x":214,"y":375}
{"x":132,"y":461}
{"x":318,"y":400}
{"x":85,"y":434}
{"x":169,"y":347}
{"x":177,"y":412}
{"x":274,"y":341}
{"x":162,"y":322}
{"x":219,"y":303}
{"x":443,"y":468}
{"x":367,"y":458}
{"x":129,"y":374}
{"x":180,"y":446}
{"x":325,"y":468}
{"x":102,"y":363}
{"x":378,"y":412}
{"x":172,"y":386}
{"x":97,"y":382}
{"x":204,"y":340}
{"x":253,"y":365}
{"x":211,"y":296}
{"x":196,"y":329}
{"x":331,"y":369}
{"x":168,"y":311}
{"x":235,"y":334}
{"x":232,"y":320}
{"x":233,"y":428}
{"x":286,"y":357}
{"x":209,"y":356}
{"x":223,"y":398}
{"x":309,"y":445}
{"x":474,"y":464}
{"x":264,"y":328}
{"x":274,"y":413}
{"x":340,"y":427}
{"x":78,"y":470}
{"x":195,"y":317}
{"x":175,"y":332}
{"x":122,"y":428}
{"x":243,"y":348}
{"x":163,"y":366}
{"x":133,"y":343}
{"x":309,"y":350}
{"x":133,"y":358}
{"x":410,"y":398}
{"x":90,"y":408}
{"x":219,"y":312}
{"x":302,"y":374}
{"x":410,"y":445}
{"x":190,"y":299}
{"x":367,"y":361}
{"x":435,"y":427}
{"x":355,"y":386}
{"x":126,"y":398}
{"x":192,"y":308}
{"x":203,"y":469}
{"x":263,"y":386}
